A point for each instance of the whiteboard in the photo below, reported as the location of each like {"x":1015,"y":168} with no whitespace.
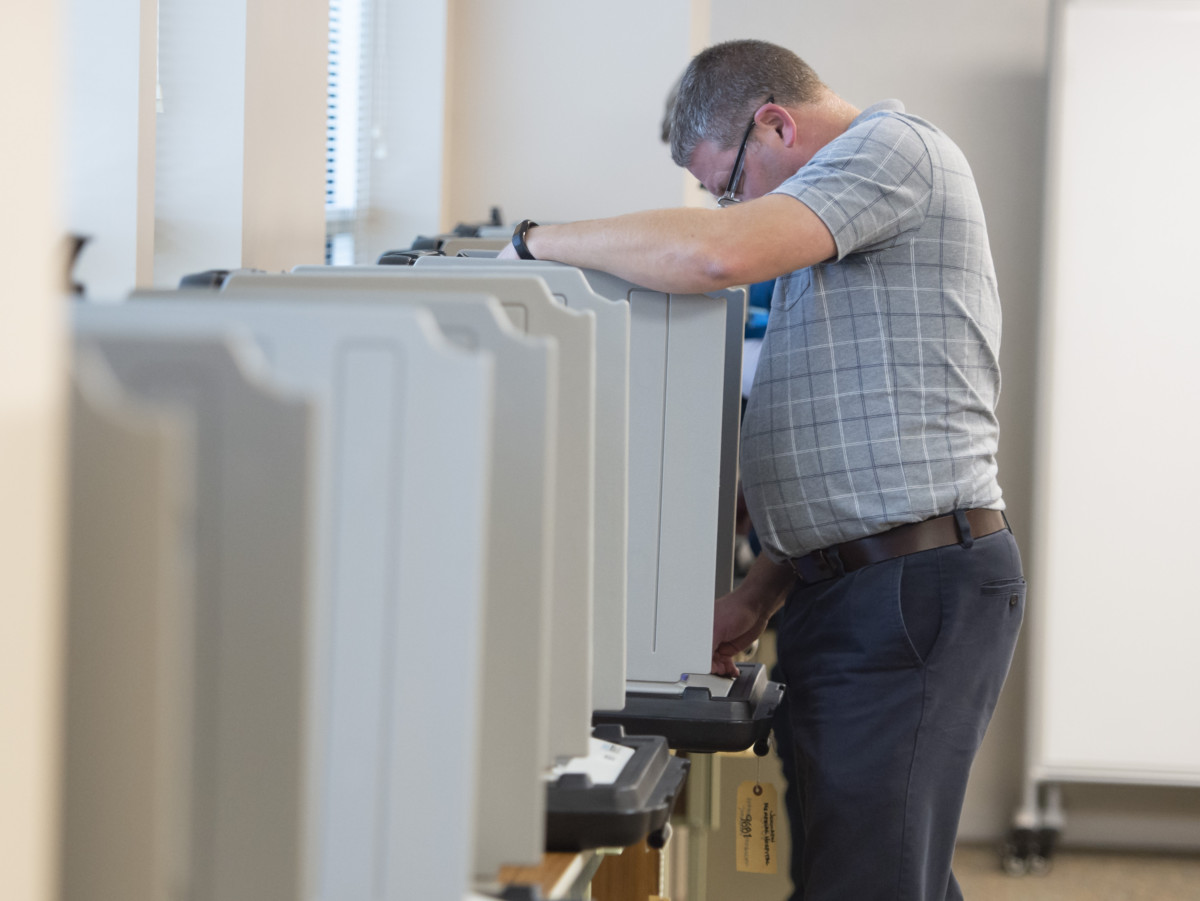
{"x":1116,"y":614}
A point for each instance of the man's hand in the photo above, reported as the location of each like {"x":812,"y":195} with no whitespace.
{"x":742,"y":615}
{"x":737,"y":621}
{"x":508,"y":253}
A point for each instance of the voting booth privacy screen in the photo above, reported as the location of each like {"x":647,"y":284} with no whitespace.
{"x":346,"y":496}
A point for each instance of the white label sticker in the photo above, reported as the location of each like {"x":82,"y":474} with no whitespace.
{"x":604,"y":762}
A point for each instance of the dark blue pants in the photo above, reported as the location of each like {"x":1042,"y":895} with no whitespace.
{"x":893,"y":672}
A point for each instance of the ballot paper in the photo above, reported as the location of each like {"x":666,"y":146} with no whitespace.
{"x":604,"y":763}
{"x":718,"y":686}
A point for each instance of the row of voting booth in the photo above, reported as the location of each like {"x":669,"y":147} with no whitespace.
{"x":386,"y":577}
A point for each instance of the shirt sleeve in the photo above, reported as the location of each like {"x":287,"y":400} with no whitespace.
{"x":869,"y":186}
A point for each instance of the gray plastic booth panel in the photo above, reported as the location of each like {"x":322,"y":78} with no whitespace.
{"x":685,"y":404}
{"x":452,"y":245}
{"x":129,"y":642}
{"x":685,"y":401}
{"x":402,"y":461}
{"x":533,"y":310}
{"x":514,"y":707}
{"x":612,"y":463}
{"x":253,"y":591}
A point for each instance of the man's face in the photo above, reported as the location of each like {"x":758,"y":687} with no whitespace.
{"x":764,"y":168}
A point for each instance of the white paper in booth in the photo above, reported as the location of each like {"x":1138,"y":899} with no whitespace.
{"x":603,"y":765}
{"x":718,"y":686}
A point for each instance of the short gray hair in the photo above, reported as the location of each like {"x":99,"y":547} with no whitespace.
{"x":725,"y":84}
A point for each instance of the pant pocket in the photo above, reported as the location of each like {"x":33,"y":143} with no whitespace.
{"x":920,"y":603}
{"x":1009,"y":594}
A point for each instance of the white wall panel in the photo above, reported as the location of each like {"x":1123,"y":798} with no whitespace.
{"x":109,"y":140}
{"x":1116,"y":447}
{"x":409,"y":105}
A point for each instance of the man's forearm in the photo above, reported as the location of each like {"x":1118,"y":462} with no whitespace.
{"x":665,"y":250}
{"x":688,"y":250}
{"x":767,"y":583}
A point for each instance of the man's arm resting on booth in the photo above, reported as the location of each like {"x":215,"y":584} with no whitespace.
{"x":690,"y":250}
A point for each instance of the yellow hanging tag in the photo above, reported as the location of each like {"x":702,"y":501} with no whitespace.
{"x":756,"y":806}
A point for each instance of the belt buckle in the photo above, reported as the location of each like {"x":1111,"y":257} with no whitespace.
{"x":794,"y":563}
{"x":825,"y":564}
{"x":832,"y":561}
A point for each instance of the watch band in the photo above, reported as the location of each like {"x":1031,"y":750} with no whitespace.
{"x":518,"y":239}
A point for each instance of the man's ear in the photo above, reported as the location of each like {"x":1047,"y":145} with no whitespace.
{"x":780,"y":121}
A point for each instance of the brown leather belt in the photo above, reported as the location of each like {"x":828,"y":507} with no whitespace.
{"x":911,"y":538}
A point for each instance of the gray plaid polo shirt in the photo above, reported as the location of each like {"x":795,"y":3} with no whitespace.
{"x":875,"y":395}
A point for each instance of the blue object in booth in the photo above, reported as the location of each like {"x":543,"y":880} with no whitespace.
{"x":756,"y":327}
{"x":760,"y":302}
{"x":756,"y":322}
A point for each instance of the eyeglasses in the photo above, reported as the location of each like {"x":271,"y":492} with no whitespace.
{"x":739,"y":162}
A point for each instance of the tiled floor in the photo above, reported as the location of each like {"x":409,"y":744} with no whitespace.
{"x":1081,"y":876}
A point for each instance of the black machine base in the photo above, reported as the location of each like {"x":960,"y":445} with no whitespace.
{"x":581,"y":815}
{"x":696,"y":721}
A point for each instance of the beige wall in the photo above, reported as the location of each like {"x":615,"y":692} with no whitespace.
{"x":31,"y":395}
{"x":554,"y":108}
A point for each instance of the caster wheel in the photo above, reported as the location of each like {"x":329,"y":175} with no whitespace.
{"x":1041,"y":861}
{"x":658,"y":840}
{"x":1019,"y":850}
{"x":1013,"y":865}
{"x":1039,"y":866}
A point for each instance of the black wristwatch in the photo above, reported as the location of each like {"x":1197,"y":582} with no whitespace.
{"x":518,"y":239}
